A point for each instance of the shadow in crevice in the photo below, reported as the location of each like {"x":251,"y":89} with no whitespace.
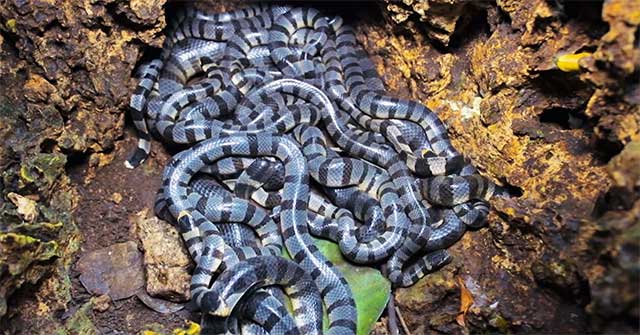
{"x":615,"y":199}
{"x":565,"y":118}
{"x":508,"y":189}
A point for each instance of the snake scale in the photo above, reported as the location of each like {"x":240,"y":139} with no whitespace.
{"x":289,"y":134}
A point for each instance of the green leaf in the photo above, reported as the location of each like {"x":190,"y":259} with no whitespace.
{"x":371,"y":290}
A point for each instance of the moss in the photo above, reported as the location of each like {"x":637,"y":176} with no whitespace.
{"x":43,"y":169}
{"x":21,"y":251}
{"x":500,"y":323}
{"x":79,"y":323}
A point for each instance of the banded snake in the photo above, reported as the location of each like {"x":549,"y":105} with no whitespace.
{"x":272,"y":100}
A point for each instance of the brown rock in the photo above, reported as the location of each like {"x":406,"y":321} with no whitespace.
{"x":166,"y":260}
{"x":439,"y":16}
{"x":115,"y":270}
{"x":534,"y":132}
{"x":623,"y":168}
{"x":613,"y":70}
{"x":423,"y":298}
{"x":116,"y":197}
{"x":61,"y":90}
{"x":38,"y":89}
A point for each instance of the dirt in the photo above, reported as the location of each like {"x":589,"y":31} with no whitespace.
{"x":104,"y":222}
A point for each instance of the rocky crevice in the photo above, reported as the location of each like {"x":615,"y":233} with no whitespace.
{"x":565,"y":143}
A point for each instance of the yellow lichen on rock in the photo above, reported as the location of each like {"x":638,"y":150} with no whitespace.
{"x":526,"y":125}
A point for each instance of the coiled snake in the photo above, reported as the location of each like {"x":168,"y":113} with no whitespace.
{"x":269,"y":98}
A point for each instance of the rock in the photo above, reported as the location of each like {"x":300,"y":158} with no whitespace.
{"x":561,"y":276}
{"x":167,"y":263}
{"x":79,"y":323}
{"x":613,"y":70}
{"x":545,"y":135}
{"x":101,"y":303}
{"x":614,"y":285}
{"x":115,"y":271}
{"x":425,"y":298}
{"x":116,"y":197}
{"x":20,"y":259}
{"x":65,"y":73}
{"x":616,"y":239}
{"x":438,"y":16}
{"x":623,"y":168}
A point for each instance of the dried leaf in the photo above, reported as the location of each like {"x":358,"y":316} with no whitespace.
{"x":26,"y":207}
{"x":116,"y":198}
{"x":115,"y":270}
{"x":158,"y":305}
{"x":466,"y":301}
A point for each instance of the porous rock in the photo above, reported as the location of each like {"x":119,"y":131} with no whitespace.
{"x":167,"y":263}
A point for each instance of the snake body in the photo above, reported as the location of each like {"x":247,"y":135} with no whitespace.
{"x":291,"y":134}
{"x":336,"y":293}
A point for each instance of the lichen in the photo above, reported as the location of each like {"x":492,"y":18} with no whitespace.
{"x":57,"y":86}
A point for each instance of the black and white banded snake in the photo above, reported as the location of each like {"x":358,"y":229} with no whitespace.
{"x":273,"y":100}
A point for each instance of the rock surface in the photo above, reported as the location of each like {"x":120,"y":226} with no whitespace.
{"x":65,"y":73}
{"x":561,"y":256}
{"x":115,"y":271}
{"x":167,"y":263}
{"x":545,"y":134}
{"x":437,"y":19}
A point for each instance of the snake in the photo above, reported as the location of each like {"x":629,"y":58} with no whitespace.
{"x":289,"y":133}
{"x":336,"y":293}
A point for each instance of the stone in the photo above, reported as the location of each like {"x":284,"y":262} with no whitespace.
{"x":115,"y":271}
{"x":167,"y":263}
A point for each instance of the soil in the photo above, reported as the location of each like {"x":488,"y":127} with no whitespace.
{"x":103,"y":222}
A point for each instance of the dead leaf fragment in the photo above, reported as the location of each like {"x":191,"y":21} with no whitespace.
{"x":159,"y":305}
{"x":26,"y":207}
{"x":466,"y":301}
{"x":116,"y":197}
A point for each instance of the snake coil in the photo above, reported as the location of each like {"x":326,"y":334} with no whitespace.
{"x":291,"y":134}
